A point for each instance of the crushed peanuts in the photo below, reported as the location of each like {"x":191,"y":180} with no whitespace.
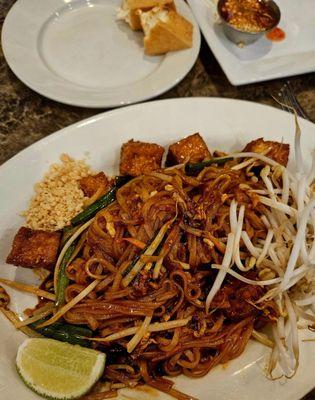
{"x":153,"y":193}
{"x":266,"y":274}
{"x":250,"y":262}
{"x":58,"y":197}
{"x":111,"y":229}
{"x":224,"y":197}
{"x":208,"y":242}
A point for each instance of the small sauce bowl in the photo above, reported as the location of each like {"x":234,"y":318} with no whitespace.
{"x":243,"y":24}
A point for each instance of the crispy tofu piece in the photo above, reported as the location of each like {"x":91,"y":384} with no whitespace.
{"x":130,"y":9}
{"x":33,"y":248}
{"x":275,"y":150}
{"x":165,"y":30}
{"x":191,"y":149}
{"x":92,"y":183}
{"x":139,"y":158}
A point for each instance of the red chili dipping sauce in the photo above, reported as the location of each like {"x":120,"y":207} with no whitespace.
{"x":276,"y":35}
{"x":249,"y":15}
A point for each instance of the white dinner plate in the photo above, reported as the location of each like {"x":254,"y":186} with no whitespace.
{"x":76,"y":52}
{"x":263,"y":60}
{"x":225,"y":124}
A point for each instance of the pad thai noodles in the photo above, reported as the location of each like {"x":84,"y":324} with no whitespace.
{"x":172,"y":270}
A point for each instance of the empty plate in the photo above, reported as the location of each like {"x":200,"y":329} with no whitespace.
{"x":76,"y":52}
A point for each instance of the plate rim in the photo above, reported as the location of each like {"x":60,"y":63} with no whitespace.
{"x":101,"y":103}
{"x":129,"y":108}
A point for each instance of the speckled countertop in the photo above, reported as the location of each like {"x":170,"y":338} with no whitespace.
{"x":26,"y":116}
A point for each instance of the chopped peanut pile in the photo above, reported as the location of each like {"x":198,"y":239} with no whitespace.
{"x":58,"y":197}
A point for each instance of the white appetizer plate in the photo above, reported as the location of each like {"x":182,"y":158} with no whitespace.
{"x":225,"y":124}
{"x":263,"y":60}
{"x":76,"y":52}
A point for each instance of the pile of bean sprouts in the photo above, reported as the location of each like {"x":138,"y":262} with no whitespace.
{"x":288,"y":250}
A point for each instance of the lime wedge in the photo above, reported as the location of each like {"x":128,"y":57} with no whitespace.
{"x":58,"y":370}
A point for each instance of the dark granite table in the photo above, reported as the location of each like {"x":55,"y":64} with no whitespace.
{"x":26,"y":116}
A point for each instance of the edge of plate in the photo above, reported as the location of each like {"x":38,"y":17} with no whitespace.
{"x":107,"y":114}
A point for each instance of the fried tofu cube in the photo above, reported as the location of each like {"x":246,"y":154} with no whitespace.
{"x":92,"y":183}
{"x":277,"y":151}
{"x":139,"y":158}
{"x":190,"y":149}
{"x":34,"y":248}
{"x":164,"y":31}
{"x":129,"y":11}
